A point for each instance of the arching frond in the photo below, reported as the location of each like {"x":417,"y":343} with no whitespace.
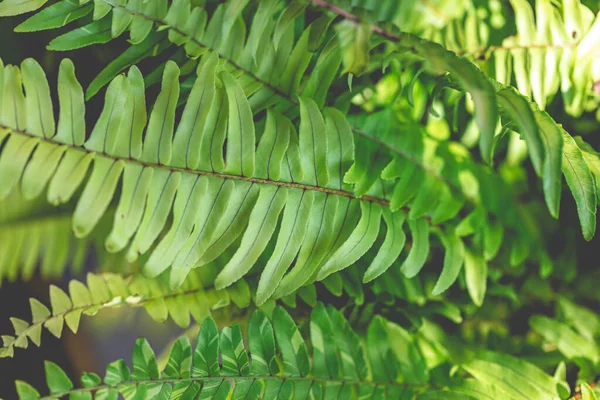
{"x":181,"y":167}
{"x":265,"y":88}
{"x":276,"y":363}
{"x":195,"y":297}
{"x":505,"y":376}
{"x":259,"y":81}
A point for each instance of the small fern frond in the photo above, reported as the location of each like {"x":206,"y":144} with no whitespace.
{"x":508,"y":377}
{"x":571,"y":36}
{"x":277,"y":363}
{"x":196,"y":297}
{"x":574,"y":331}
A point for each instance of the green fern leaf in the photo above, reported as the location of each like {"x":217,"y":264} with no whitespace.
{"x":202,"y":376}
{"x":16,"y":7}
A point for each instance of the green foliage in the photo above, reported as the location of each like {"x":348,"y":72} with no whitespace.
{"x":545,"y":48}
{"x":401,"y":160}
{"x":388,"y":363}
{"x":30,"y":233}
{"x":279,"y":364}
{"x":196,"y":297}
{"x":163,"y":172}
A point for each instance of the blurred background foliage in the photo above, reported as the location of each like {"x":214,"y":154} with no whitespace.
{"x":524,"y":307}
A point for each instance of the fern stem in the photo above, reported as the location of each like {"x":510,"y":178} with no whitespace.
{"x":351,"y":17}
{"x":436,"y":10}
{"x":231,"y":379}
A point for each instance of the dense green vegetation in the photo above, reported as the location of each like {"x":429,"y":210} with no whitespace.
{"x":371,"y":199}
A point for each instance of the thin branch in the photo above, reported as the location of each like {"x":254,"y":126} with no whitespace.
{"x":436,"y":10}
{"x":351,"y":17}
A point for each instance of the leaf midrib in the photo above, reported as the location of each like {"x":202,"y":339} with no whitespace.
{"x":172,"y":169}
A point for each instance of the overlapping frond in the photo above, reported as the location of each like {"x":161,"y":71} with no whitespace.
{"x":142,"y":182}
{"x":264,"y":159}
{"x":275,"y":362}
{"x":207,"y":172}
{"x":258,"y":54}
{"x":278,"y":365}
{"x":555,"y":48}
{"x":488,"y":374}
{"x":195,"y":298}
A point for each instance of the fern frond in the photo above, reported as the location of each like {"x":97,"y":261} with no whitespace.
{"x":182,"y":168}
{"x":552,"y":50}
{"x":278,"y":365}
{"x":489,"y":374}
{"x":497,"y":374}
{"x":256,"y":63}
{"x":541,"y":133}
{"x":575,"y":332}
{"x":567,"y":65}
{"x":265,"y":88}
{"x":270,"y":89}
{"x":196,"y":296}
{"x":258,"y":70}
{"x":387,"y":363}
